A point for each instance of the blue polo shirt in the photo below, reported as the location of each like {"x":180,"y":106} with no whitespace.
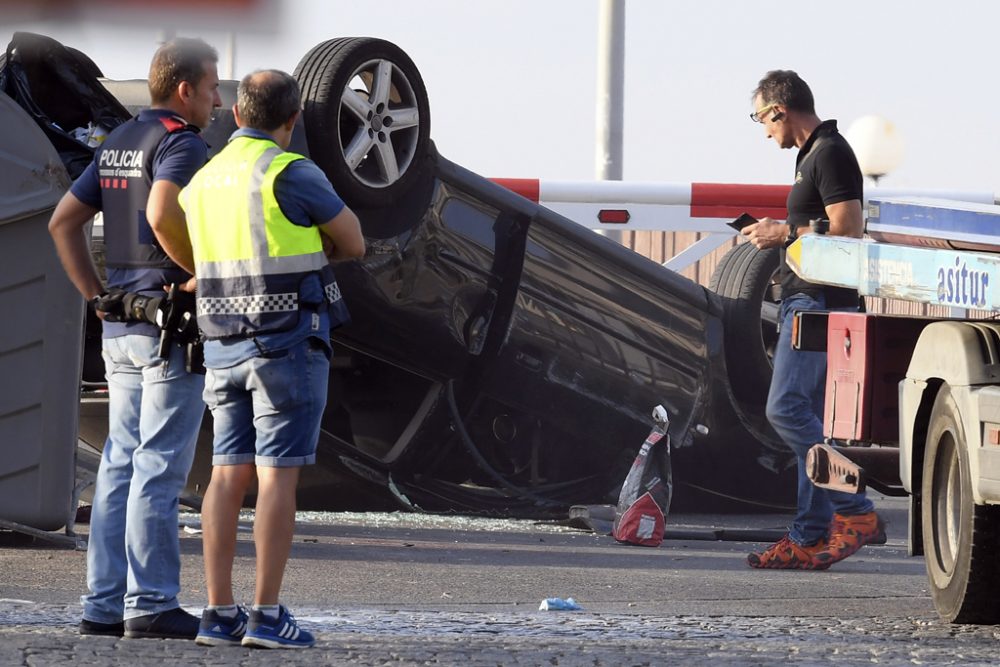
{"x":306,"y":198}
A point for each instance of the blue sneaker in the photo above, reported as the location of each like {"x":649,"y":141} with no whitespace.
{"x":281,"y":632}
{"x":219,"y":630}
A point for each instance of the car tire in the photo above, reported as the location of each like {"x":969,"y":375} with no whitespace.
{"x":367,"y":118}
{"x":961,"y":539}
{"x":745,"y":279}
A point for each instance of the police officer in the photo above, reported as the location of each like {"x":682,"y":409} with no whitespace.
{"x":267,"y":299}
{"x":154,"y":404}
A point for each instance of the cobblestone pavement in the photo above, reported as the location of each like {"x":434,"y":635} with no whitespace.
{"x":405,"y":589}
{"x":37,"y":635}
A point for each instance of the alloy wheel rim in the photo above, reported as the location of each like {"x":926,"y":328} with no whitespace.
{"x":379,"y":123}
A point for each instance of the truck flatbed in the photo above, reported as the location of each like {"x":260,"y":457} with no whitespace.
{"x":942,"y":275}
{"x":935,"y":223}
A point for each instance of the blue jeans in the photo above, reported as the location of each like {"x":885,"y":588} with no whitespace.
{"x":267,"y":410}
{"x":154,"y":414}
{"x":795,"y":410}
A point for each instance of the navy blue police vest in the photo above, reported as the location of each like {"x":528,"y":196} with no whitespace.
{"x":125,"y":169}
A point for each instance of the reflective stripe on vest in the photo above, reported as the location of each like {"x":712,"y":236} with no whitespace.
{"x":249,"y":258}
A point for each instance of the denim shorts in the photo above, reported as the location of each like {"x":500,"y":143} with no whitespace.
{"x":267,"y":410}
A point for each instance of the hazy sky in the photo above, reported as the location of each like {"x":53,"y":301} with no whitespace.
{"x":512,"y":83}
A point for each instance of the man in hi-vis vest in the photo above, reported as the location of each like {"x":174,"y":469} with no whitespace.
{"x":266,"y":301}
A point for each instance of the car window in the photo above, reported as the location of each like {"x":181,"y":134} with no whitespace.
{"x":472,"y":221}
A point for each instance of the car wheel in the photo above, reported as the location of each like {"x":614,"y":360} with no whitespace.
{"x":366,"y":116}
{"x":746,"y":279}
{"x":961,"y":539}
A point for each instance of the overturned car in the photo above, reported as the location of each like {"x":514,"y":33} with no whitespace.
{"x":502,"y":359}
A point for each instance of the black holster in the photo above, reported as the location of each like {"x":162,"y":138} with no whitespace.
{"x":180,"y":325}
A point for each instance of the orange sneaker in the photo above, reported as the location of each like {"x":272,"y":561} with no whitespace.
{"x":787,"y":555}
{"x":850,"y":533}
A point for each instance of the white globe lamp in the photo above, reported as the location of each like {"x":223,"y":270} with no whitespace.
{"x":877,"y":144}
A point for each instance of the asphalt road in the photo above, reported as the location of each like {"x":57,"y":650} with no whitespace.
{"x":382,"y":589}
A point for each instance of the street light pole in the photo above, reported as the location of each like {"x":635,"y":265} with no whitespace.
{"x":610,"y":89}
{"x":230,"y":72}
{"x":610,"y":92}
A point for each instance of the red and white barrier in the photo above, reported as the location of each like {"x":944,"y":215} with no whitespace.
{"x":682,"y":207}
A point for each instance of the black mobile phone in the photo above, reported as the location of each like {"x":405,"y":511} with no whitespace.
{"x":742,"y":221}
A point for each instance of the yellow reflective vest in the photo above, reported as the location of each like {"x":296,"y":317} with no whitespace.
{"x":249,"y":258}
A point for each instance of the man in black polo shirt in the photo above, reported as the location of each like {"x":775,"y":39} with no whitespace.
{"x":829,"y":525}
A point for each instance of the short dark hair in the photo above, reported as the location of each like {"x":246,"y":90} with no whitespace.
{"x":267,"y":99}
{"x":180,"y":59}
{"x":785,"y":87}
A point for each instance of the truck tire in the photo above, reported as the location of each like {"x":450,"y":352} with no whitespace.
{"x":366,"y":116}
{"x":746,"y":280}
{"x":961,"y":539}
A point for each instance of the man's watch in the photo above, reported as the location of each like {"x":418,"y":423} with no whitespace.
{"x":793,"y":233}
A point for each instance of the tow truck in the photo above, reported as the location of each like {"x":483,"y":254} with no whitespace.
{"x":913,"y":403}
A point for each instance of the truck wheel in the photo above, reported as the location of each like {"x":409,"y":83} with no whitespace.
{"x":961,"y":540}
{"x":746,"y":280}
{"x":366,"y":116}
